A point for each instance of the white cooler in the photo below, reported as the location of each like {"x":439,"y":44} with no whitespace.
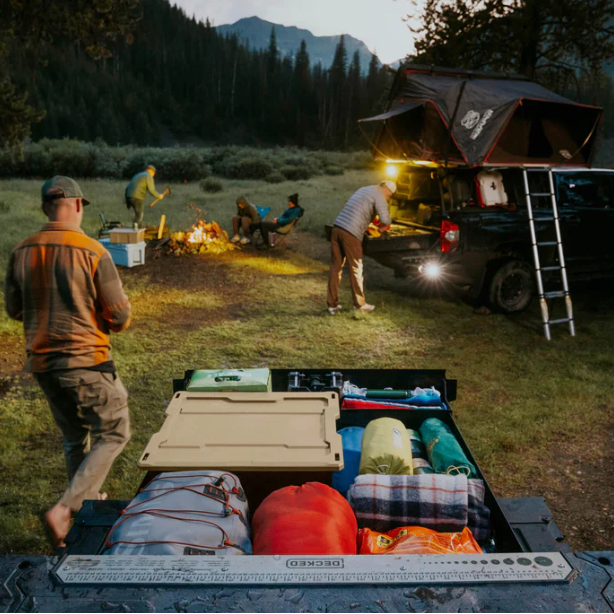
{"x":125,"y":254}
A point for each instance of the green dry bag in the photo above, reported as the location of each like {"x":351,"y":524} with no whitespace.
{"x":444,"y":452}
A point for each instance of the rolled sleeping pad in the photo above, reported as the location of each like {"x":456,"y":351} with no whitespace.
{"x":419,"y":460}
{"x":417,"y":447}
{"x":444,"y":451}
{"x":351,"y":438}
{"x":422,"y":466}
{"x":386,"y":448}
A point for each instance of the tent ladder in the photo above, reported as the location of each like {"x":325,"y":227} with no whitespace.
{"x":553,"y":218}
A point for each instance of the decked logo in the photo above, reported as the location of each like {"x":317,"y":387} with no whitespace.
{"x":470,"y":120}
{"x":314,"y":563}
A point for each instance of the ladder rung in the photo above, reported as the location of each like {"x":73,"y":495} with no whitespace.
{"x":551,"y":268}
{"x":560,"y":321}
{"x":541,"y":194}
{"x":545,"y":243}
{"x":555,"y":294}
{"x":544,"y":219}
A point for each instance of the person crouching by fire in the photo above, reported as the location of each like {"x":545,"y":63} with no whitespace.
{"x":246,"y":220}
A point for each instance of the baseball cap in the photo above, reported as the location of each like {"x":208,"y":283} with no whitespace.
{"x":62,"y":187}
{"x":391,"y":185}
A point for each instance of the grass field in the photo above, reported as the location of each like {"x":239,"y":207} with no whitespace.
{"x":538,"y":416}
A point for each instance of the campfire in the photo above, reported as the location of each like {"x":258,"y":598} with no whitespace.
{"x":204,"y":238}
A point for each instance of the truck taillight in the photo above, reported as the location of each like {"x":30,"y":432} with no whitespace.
{"x":450,"y":234}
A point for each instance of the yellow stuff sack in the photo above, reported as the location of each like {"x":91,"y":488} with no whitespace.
{"x":386,"y":448}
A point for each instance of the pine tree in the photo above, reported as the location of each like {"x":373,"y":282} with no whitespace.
{"x":335,"y":129}
{"x":353,"y":99}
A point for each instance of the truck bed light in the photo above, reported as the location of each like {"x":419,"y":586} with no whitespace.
{"x":432,"y":270}
{"x":391,"y":171}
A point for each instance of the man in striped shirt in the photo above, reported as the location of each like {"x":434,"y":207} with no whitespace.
{"x":65,"y":289}
{"x":346,"y":241}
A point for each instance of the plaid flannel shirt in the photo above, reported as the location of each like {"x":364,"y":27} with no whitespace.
{"x":65,"y":289}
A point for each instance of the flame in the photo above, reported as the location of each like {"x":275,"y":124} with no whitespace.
{"x":202,"y":232}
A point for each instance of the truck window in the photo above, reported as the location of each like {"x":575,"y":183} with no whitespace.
{"x":584,"y":190}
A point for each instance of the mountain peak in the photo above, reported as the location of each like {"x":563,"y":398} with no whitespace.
{"x":256,"y":33}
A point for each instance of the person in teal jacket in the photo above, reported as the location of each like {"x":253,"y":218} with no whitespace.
{"x":137,"y":189}
{"x":292,"y":213}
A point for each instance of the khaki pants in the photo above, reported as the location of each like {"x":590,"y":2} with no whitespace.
{"x":137,"y":205}
{"x":91,"y":409}
{"x":345,"y":246}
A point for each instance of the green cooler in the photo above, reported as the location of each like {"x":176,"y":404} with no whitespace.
{"x":230,"y":380}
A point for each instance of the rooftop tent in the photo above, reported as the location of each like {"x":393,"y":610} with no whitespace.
{"x":413,"y":130}
{"x":496,"y":119}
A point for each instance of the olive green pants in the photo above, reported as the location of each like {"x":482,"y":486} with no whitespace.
{"x":91,"y":409}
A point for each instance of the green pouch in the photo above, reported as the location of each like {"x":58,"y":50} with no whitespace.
{"x":386,"y":448}
{"x":230,"y":380}
{"x":444,"y":452}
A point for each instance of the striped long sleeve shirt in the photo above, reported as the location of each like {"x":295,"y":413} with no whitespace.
{"x":65,"y":289}
{"x":361,"y":210}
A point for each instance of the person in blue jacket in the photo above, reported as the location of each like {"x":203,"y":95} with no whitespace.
{"x":292,"y":213}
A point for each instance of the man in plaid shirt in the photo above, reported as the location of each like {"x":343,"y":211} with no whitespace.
{"x":65,"y":289}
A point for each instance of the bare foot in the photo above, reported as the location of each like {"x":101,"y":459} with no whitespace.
{"x":57,"y":521}
{"x":102,"y":496}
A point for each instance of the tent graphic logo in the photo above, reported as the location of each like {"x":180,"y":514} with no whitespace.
{"x":470,"y":120}
{"x":476,"y":133}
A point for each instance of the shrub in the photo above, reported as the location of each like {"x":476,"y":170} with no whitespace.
{"x":275,"y":177}
{"x":211,"y":185}
{"x":47,"y":157}
{"x":295,"y":173}
{"x":334,"y":170}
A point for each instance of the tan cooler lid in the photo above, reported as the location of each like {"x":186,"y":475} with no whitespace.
{"x":247,"y":431}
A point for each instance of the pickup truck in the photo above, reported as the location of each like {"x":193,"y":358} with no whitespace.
{"x":444,"y":232}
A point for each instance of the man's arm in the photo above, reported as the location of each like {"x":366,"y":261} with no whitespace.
{"x":151,"y":187}
{"x":113,"y":301}
{"x":289,"y":215}
{"x":12,"y":293}
{"x":381,"y":208}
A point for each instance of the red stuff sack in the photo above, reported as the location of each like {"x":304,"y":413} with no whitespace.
{"x":308,"y":519}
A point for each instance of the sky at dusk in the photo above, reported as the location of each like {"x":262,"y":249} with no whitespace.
{"x":378,"y":23}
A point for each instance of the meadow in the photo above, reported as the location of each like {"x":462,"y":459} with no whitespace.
{"x":538,"y":416}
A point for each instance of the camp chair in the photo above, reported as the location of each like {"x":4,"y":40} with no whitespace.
{"x":263,"y":212}
{"x":106,"y":226}
{"x":278,"y":238}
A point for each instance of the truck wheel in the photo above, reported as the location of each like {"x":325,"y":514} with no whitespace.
{"x":511,"y":287}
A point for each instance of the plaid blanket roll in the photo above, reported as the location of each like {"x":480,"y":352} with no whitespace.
{"x":445,"y":503}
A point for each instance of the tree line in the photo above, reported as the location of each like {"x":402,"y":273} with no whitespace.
{"x":176,"y":78}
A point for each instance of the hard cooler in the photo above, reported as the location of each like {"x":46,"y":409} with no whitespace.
{"x":125,"y":254}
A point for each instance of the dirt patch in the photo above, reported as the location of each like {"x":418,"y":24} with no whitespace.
{"x":575,"y":479}
{"x":12,"y":354}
